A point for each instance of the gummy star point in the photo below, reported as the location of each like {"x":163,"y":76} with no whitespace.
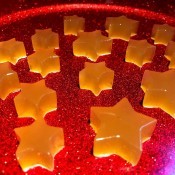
{"x":92,"y":45}
{"x":159,"y":88}
{"x":120,"y":130}
{"x":39,"y":143}
{"x":44,"y":61}
{"x":45,"y":39}
{"x":170,"y":54}
{"x":163,"y":33}
{"x":73,"y":25}
{"x":9,"y":81}
{"x":139,"y":52}
{"x":96,"y":77}
{"x":38,"y":98}
{"x":11,"y":51}
{"x":121,"y":27}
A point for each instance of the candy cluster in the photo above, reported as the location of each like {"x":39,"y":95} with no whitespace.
{"x":119,"y":129}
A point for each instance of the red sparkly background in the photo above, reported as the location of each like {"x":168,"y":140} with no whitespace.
{"x":74,"y":104}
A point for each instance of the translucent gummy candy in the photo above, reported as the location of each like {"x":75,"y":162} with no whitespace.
{"x":120,"y":130}
{"x":96,"y":77}
{"x":73,"y":25}
{"x":92,"y":45}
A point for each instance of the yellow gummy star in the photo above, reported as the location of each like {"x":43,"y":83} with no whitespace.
{"x":96,"y":77}
{"x":121,"y":27}
{"x":170,"y":54}
{"x":163,"y":33}
{"x":35,"y":99}
{"x":39,"y":143}
{"x":139,"y":52}
{"x":9,"y":81}
{"x":44,"y":61}
{"x":159,"y":88}
{"x":45,"y":39}
{"x":120,"y":130}
{"x":11,"y":51}
{"x":92,"y":45}
{"x":73,"y":25}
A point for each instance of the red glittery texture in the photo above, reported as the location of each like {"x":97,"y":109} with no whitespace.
{"x":74,"y":104}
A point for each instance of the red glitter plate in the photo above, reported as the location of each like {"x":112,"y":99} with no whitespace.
{"x":74,"y":104}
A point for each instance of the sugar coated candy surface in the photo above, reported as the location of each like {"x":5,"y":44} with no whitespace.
{"x":96,"y":77}
{"x":92,"y":45}
{"x":170,"y":54}
{"x":163,"y":33}
{"x":9,"y":81}
{"x":159,"y":88}
{"x":39,"y":143}
{"x":44,"y":61}
{"x":121,"y":27}
{"x":139,"y":52}
{"x":11,"y":51}
{"x":73,"y":25}
{"x":45,"y":39}
{"x":120,"y":130}
{"x":38,"y":98}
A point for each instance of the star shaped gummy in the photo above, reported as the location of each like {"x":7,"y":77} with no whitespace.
{"x":163,"y":33}
{"x":139,"y":52}
{"x":170,"y":54}
{"x":39,"y":143}
{"x":9,"y":81}
{"x":121,"y":27}
{"x":73,"y":25}
{"x":45,"y":39}
{"x":92,"y":45}
{"x":35,"y":100}
{"x":159,"y":88}
{"x":44,"y":61}
{"x":11,"y":51}
{"x":120,"y":130}
{"x":96,"y":77}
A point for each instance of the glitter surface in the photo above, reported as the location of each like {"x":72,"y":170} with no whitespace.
{"x":73,"y":111}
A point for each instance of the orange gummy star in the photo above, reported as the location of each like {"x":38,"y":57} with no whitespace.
{"x":11,"y":51}
{"x":39,"y":143}
{"x":163,"y":33}
{"x":73,"y":25}
{"x":170,"y":54}
{"x":121,"y":27}
{"x":159,"y":88}
{"x":9,"y":81}
{"x":35,"y":99}
{"x":45,"y":39}
{"x":44,"y":61}
{"x":92,"y":45}
{"x":120,"y":130}
{"x":139,"y":52}
{"x":96,"y":77}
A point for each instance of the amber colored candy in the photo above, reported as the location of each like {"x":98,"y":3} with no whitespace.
{"x":9,"y":81}
{"x":139,"y":52}
{"x":92,"y":45}
{"x":96,"y":77}
{"x":170,"y":54}
{"x":73,"y":25}
{"x":44,"y":61}
{"x":45,"y":39}
{"x":121,"y":27}
{"x":163,"y":33}
{"x":159,"y":88}
{"x":11,"y":51}
{"x":39,"y":143}
{"x":35,"y":99}
{"x":120,"y":130}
